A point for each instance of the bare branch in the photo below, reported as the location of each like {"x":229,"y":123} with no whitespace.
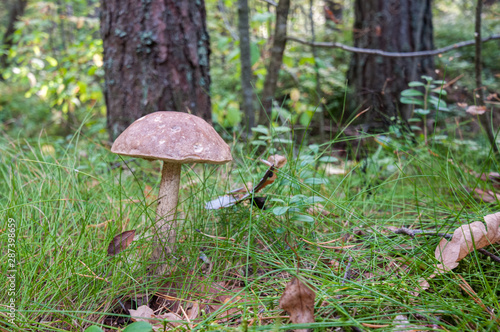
{"x":413,"y":232}
{"x":272,"y":3}
{"x":391,"y":54}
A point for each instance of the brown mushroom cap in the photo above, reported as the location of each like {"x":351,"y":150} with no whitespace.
{"x":174,"y":137}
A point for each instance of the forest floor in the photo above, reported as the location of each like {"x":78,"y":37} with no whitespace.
{"x":327,"y":219}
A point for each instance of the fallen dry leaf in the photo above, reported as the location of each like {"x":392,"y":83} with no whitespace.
{"x":476,"y":110}
{"x":146,"y":314}
{"x":298,"y":301}
{"x":277,"y":160}
{"x":120,"y":242}
{"x":143,"y":313}
{"x":465,"y":239}
{"x":194,"y":311}
{"x":487,"y":196}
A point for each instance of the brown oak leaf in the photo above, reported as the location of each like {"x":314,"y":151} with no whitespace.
{"x":298,"y":301}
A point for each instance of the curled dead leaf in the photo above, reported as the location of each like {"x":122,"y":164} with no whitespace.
{"x":298,"y":301}
{"x":465,"y":239}
{"x":476,"y":110}
{"x":276,"y":160}
{"x":146,"y":314}
{"x":120,"y":242}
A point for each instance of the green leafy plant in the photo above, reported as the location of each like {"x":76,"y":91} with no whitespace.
{"x":134,"y":327}
{"x":430,"y":100}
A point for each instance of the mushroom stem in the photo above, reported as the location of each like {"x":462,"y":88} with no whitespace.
{"x":166,"y":222}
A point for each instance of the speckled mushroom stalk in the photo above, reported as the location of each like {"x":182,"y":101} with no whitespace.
{"x":175,"y":138}
{"x":166,"y":221}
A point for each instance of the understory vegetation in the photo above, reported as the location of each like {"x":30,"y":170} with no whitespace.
{"x":327,"y":218}
{"x":358,"y":218}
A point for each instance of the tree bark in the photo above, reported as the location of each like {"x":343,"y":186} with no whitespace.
{"x":318,"y":103}
{"x":484,"y":118}
{"x":276,"y":60}
{"x":394,"y":26}
{"x":246,"y":64}
{"x":156,"y":58}
{"x":16,"y":11}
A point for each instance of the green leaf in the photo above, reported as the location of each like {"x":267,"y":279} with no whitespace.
{"x":261,"y":129}
{"x":139,"y":327}
{"x":277,"y":200}
{"x":282,"y":129}
{"x":439,"y":82}
{"x":261,"y":143}
{"x":415,"y":84}
{"x":441,"y":92}
{"x":304,"y":60}
{"x":288,"y":61}
{"x":436,"y":101}
{"x":93,"y":328}
{"x":328,"y":159}
{"x":280,"y":210}
{"x":315,"y":181}
{"x":282,"y":140}
{"x":314,"y":148}
{"x":297,"y":198}
{"x":411,"y":101}
{"x":421,"y":111}
{"x":254,"y":53}
{"x":314,"y":199}
{"x":51,"y":61}
{"x":234,"y":54}
{"x":305,"y":118}
{"x":303,"y":218}
{"x":262,"y":17}
{"x":411,"y":93}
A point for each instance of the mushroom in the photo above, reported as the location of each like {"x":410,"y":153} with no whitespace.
{"x":176,"y":138}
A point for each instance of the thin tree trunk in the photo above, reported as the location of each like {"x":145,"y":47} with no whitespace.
{"x":16,"y":11}
{"x":273,"y":68}
{"x":61,"y":12}
{"x":319,"y":93}
{"x":246,"y":64}
{"x":484,"y":118}
{"x":156,"y":58}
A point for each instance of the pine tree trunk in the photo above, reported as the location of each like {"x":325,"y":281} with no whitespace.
{"x":156,"y":58}
{"x":394,"y":26}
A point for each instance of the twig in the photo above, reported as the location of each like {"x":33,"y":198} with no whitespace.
{"x":453,"y":81}
{"x":215,"y":237}
{"x":329,"y":247}
{"x":490,"y":255}
{"x":413,"y":232}
{"x":297,"y":255}
{"x":347,"y":274}
{"x":391,"y":54}
{"x":272,"y":3}
{"x":222,"y":9}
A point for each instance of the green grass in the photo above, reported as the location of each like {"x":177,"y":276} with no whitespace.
{"x":66,"y":281}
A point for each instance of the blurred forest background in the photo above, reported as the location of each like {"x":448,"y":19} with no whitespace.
{"x":52,"y":66}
